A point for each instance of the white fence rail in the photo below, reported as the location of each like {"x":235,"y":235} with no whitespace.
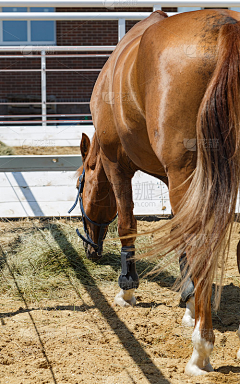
{"x":120,"y":3}
{"x":46,"y":187}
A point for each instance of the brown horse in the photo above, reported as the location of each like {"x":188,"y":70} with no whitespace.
{"x":167,"y":103}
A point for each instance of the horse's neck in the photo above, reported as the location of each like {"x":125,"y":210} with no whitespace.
{"x":94,"y":152}
{"x":103,"y":187}
{"x":95,"y":161}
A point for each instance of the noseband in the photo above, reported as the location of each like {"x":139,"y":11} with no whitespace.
{"x":98,"y":247}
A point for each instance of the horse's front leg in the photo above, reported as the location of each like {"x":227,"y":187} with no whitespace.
{"x":128,"y":280}
{"x":127,"y":225}
{"x":203,"y":336}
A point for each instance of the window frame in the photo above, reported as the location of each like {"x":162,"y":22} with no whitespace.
{"x":28,"y":42}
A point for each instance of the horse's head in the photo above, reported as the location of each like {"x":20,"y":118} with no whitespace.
{"x":97,"y":200}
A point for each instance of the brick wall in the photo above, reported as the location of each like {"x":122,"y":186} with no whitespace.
{"x":65,"y":86}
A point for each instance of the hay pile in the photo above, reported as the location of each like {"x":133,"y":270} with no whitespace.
{"x":5,"y":150}
{"x":46,"y":259}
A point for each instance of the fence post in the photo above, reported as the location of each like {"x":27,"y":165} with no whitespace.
{"x":157,"y":7}
{"x":43,"y":87}
{"x":121,"y":28}
{"x":188,"y":9}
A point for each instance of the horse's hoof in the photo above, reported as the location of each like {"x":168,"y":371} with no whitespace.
{"x":194,"y":370}
{"x":93,"y":256}
{"x":125,"y":298}
{"x":95,"y":259}
{"x":122,"y":303}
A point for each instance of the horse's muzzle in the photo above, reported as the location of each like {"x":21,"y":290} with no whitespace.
{"x":91,"y":253}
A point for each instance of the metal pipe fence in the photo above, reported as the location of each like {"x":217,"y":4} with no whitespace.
{"x":45,"y":53}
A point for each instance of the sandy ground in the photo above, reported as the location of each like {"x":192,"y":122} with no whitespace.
{"x":83,"y":338}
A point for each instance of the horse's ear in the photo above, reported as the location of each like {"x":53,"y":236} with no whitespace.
{"x":84,"y":146}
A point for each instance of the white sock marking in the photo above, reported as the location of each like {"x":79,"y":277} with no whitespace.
{"x":188,"y":319}
{"x":199,"y":363}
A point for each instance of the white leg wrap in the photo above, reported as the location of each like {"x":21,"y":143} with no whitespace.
{"x":125,"y":298}
{"x":188,"y":319}
{"x":199,"y":363}
{"x":238,"y":333}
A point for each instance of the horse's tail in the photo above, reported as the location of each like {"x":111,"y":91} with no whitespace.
{"x":203,"y":224}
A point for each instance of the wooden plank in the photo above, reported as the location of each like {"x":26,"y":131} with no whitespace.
{"x":39,"y":163}
{"x":37,"y":179}
{"x":41,"y":209}
{"x":44,"y":143}
{"x":38,"y":129}
{"x":38,"y":194}
{"x":38,"y":136}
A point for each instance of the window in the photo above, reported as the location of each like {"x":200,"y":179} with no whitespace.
{"x":18,"y":32}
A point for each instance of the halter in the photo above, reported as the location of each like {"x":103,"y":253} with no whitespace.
{"x":102,"y":234}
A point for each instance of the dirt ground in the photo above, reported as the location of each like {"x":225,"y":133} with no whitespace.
{"x":28,"y":150}
{"x":83,"y":338}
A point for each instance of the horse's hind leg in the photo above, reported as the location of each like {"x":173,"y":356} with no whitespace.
{"x":177,"y":188}
{"x":187,"y":293}
{"x":203,"y":336}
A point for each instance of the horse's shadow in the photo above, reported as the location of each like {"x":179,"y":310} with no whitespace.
{"x":227,"y":317}
{"x":227,"y":369}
